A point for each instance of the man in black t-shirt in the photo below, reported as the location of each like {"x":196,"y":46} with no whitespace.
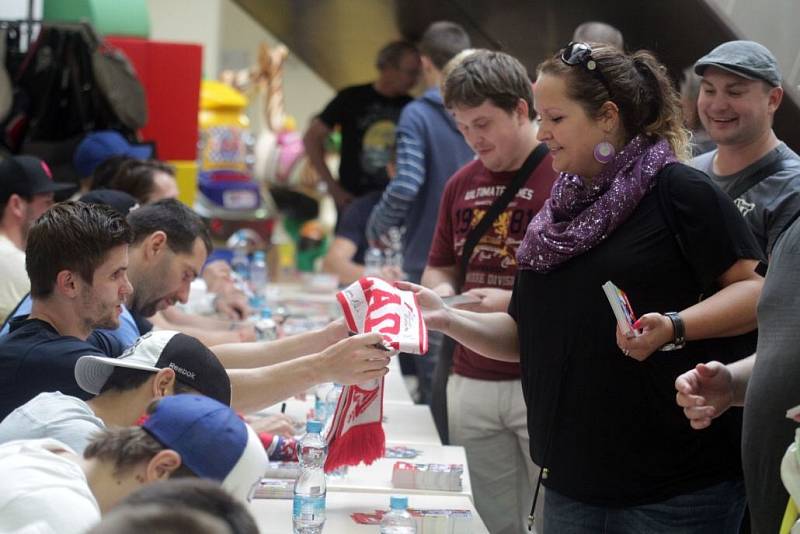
{"x":367,"y":115}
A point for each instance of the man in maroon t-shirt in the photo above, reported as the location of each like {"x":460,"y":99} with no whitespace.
{"x":490,"y":97}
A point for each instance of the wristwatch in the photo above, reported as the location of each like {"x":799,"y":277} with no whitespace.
{"x":679,"y":332}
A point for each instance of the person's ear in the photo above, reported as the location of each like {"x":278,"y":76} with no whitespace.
{"x":162,"y":465}
{"x":155,"y":244}
{"x":427,"y":64}
{"x":16,"y":206}
{"x":521,"y":111}
{"x":68,"y":283}
{"x":164,"y":383}
{"x":775,"y":98}
{"x":608,"y":117}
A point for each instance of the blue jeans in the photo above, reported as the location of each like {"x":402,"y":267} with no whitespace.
{"x":713,"y":510}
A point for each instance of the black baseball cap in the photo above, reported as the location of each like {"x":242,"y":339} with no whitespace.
{"x":27,"y":176}
{"x":121,"y":201}
{"x":194,"y":364}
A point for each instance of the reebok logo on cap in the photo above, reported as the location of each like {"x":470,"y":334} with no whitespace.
{"x":194,"y":364}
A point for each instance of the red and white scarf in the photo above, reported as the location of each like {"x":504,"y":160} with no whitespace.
{"x":355,"y":433}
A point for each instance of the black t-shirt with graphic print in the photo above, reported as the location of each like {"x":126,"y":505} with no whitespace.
{"x":367,"y":120}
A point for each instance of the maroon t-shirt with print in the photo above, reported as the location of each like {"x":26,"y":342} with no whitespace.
{"x":467,"y":196}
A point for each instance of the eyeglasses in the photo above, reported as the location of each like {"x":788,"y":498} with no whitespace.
{"x":575,"y":54}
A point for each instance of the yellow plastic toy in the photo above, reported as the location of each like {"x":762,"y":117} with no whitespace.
{"x":223,"y":128}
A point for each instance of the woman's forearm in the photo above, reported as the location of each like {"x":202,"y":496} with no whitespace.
{"x":730,"y":311}
{"x":493,"y":335}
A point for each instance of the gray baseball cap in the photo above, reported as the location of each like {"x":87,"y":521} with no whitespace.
{"x":747,"y":59}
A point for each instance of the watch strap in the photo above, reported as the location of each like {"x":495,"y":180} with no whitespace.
{"x":679,"y":332}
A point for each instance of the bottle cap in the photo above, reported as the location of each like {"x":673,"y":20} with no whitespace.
{"x":398,"y":502}
{"x":259,"y":255}
{"x":266,"y":313}
{"x":313,"y":427}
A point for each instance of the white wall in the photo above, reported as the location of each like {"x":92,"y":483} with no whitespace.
{"x":189,"y":21}
{"x":230,"y":39}
{"x":18,"y":9}
{"x":305,"y":93}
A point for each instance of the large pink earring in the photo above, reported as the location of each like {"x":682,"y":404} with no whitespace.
{"x":604,"y":152}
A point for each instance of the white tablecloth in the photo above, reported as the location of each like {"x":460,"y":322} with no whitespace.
{"x":394,"y":387}
{"x":377,"y":478}
{"x":274,"y":516}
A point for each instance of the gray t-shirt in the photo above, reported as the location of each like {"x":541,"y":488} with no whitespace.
{"x":774,"y":386}
{"x":767,"y":206}
{"x":52,"y":415}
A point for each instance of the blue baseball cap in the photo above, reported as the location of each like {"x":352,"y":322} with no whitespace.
{"x":213,"y":441}
{"x":98,"y":146}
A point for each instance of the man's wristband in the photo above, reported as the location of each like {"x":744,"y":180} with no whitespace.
{"x":679,"y":332}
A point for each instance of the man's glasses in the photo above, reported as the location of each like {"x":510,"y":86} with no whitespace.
{"x":575,"y":54}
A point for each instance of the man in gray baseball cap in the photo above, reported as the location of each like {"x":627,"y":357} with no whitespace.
{"x":746,"y":59}
{"x":740,"y":93}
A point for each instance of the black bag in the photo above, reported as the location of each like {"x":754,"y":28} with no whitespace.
{"x":117,"y":82}
{"x":445,"y":362}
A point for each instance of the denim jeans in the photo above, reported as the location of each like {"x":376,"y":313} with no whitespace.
{"x":714,"y":510}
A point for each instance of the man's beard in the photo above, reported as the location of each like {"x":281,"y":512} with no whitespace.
{"x":140,"y":307}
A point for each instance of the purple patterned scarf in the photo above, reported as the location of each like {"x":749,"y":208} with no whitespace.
{"x":580,"y":214}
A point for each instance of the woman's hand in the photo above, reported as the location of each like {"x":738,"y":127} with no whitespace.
{"x":490,"y":299}
{"x":655,"y":331}
{"x":434,"y":310}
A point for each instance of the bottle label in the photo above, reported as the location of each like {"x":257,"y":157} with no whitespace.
{"x":309,"y":508}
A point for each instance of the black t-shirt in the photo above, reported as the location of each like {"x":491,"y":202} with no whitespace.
{"x":367,"y":120}
{"x":352,"y":224}
{"x":605,"y":425}
{"x":35,"y":358}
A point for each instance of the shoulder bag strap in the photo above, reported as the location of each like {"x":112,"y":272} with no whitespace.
{"x":496,"y":208}
{"x":752,"y":180}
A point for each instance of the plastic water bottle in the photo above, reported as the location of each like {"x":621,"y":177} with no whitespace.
{"x":240,"y":264}
{"x":332,"y":398}
{"x":308,"y":509}
{"x":321,"y":412}
{"x":266,"y":327}
{"x":373,"y":261}
{"x":259,"y":275}
{"x":396,"y":247}
{"x":398,"y":520}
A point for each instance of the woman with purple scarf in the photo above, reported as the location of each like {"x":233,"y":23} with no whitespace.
{"x":617,"y":453}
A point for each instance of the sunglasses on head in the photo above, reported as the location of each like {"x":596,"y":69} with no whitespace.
{"x":580,"y":54}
